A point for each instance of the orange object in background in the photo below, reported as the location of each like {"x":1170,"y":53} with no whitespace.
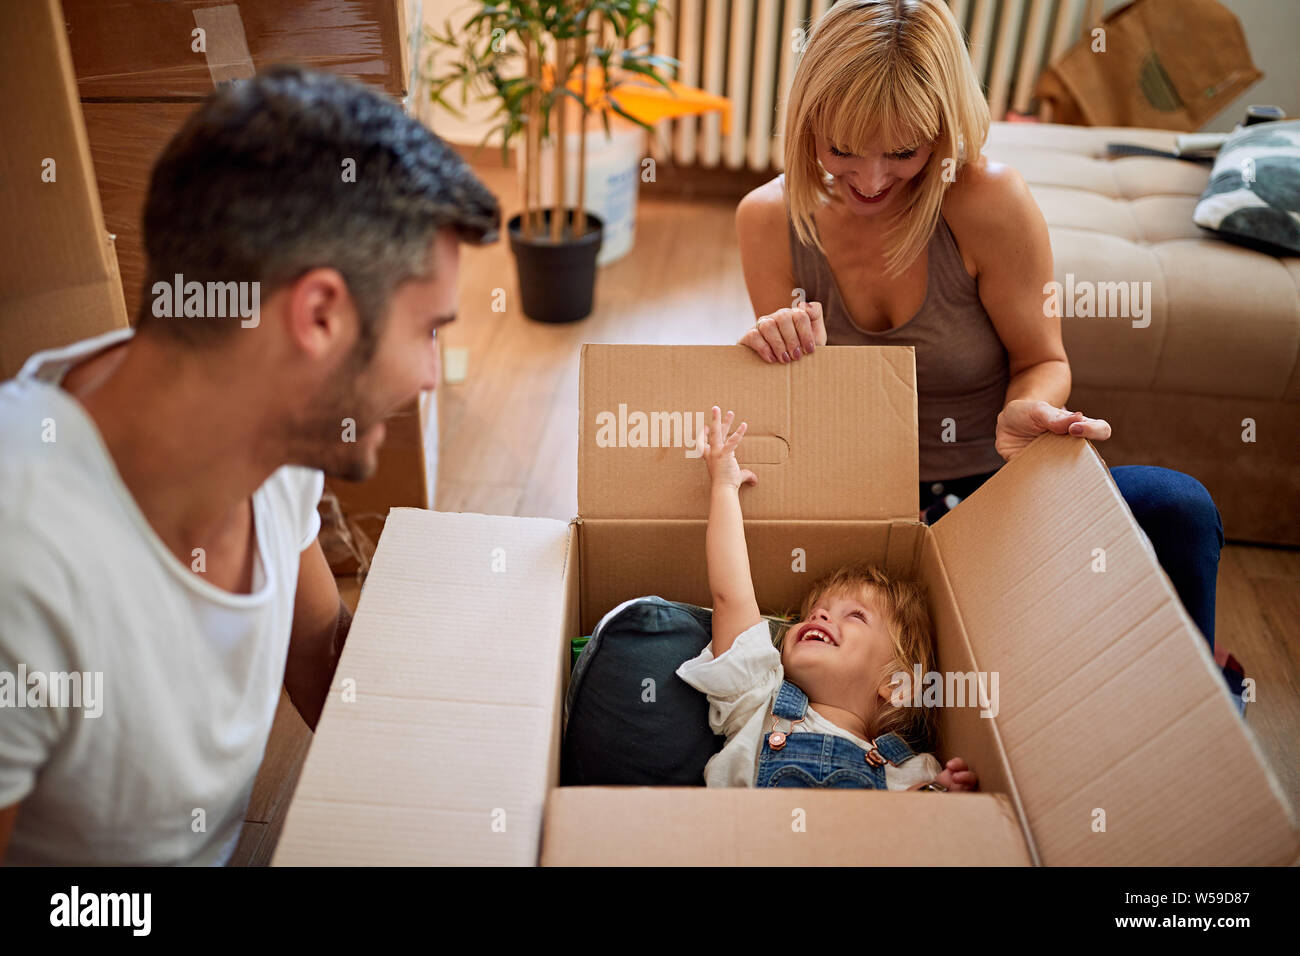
{"x":644,"y":99}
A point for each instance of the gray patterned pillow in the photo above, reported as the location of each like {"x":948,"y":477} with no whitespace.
{"x":1253,"y":197}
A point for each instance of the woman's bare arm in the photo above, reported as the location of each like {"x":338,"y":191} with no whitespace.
{"x":786,"y":328}
{"x":993,"y":214}
{"x":992,"y":209}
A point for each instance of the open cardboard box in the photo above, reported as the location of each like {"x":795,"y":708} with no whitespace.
{"x":440,"y":742}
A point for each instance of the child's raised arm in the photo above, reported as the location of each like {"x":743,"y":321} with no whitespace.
{"x":734,"y":608}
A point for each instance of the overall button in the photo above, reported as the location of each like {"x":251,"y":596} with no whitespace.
{"x":937,"y":488}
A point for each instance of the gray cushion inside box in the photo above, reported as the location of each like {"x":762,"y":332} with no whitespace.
{"x":630,"y":720}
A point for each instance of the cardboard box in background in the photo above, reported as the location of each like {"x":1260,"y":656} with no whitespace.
{"x":142,"y":49}
{"x":58,"y":271}
{"x":1109,"y":701}
{"x":140,"y":78}
{"x":125,"y":141}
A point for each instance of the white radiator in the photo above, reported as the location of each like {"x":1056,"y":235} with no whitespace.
{"x":746,"y":50}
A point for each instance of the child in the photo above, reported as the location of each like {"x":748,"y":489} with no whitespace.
{"x":817,"y":712}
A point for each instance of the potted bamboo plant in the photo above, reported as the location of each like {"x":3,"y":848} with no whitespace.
{"x":524,"y":54}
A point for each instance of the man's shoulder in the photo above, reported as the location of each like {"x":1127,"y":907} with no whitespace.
{"x":55,"y":491}
{"x":293,"y":493}
{"x":38,"y":596}
{"x":39,"y":478}
{"x":296,"y":484}
{"x":39,"y":435}
{"x":20,"y":398}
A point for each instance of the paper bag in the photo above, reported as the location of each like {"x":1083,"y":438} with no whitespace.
{"x":1162,"y":64}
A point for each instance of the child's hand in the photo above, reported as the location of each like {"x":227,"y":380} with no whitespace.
{"x":957,"y":776}
{"x":718,"y":449}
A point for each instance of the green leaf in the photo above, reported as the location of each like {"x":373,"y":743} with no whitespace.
{"x":613,"y":104}
{"x":648,"y":72}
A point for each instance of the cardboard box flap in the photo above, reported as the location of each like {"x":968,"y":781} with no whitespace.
{"x":832,"y":436}
{"x":695,"y":826}
{"x":434,"y":744}
{"x":1124,"y":744}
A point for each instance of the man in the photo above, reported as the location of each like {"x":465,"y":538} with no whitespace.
{"x":158,"y":490}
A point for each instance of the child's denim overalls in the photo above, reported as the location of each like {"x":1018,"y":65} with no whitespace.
{"x":821,"y":760}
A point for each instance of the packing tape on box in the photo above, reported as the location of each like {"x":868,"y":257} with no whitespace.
{"x":225,"y":45}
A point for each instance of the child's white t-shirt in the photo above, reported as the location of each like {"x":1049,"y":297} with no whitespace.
{"x":191,"y":673}
{"x":741,"y":686}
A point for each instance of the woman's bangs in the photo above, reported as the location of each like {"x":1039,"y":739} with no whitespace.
{"x":904,"y":117}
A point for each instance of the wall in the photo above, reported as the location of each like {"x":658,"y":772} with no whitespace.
{"x":1271,"y":28}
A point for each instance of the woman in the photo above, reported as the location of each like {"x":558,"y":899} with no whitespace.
{"x":901,"y":233}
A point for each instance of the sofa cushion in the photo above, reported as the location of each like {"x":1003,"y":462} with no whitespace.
{"x":1221,"y":320}
{"x":1254,"y":192}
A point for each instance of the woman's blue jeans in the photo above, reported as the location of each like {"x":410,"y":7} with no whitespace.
{"x":1174,"y":510}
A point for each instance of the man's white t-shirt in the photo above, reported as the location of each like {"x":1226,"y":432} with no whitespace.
{"x":191,"y":674}
{"x":741,"y":686}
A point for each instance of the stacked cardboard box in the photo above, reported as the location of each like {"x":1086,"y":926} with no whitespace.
{"x":140,"y":75}
{"x":1112,"y":739}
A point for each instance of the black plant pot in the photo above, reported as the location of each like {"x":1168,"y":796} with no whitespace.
{"x":556,"y":280}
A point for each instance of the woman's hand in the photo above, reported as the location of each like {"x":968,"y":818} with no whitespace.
{"x":718,"y":449}
{"x":1024,"y":419}
{"x":787,"y":334}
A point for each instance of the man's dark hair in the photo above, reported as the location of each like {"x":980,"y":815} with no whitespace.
{"x":255,"y":187}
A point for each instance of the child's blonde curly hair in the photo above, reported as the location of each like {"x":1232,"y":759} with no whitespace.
{"x":907,"y":616}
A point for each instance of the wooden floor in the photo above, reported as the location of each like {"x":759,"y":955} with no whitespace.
{"x":509,"y":446}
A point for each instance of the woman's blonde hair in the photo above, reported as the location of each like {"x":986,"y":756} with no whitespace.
{"x":907,"y":618}
{"x":896,"y":72}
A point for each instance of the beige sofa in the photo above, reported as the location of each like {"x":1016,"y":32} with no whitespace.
{"x":1223,"y":341}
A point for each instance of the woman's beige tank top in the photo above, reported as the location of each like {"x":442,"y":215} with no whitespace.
{"x":961,"y":365}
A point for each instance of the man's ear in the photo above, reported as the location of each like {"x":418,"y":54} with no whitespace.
{"x":320,"y":315}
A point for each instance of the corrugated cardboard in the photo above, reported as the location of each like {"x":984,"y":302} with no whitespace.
{"x":58,"y":270}
{"x":1109,"y":708}
{"x":1110,"y":696}
{"x":142,"y":49}
{"x":594,"y":826}
{"x":126,"y":139}
{"x":444,"y":755}
{"x":138,"y":86}
{"x":792,"y":425}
